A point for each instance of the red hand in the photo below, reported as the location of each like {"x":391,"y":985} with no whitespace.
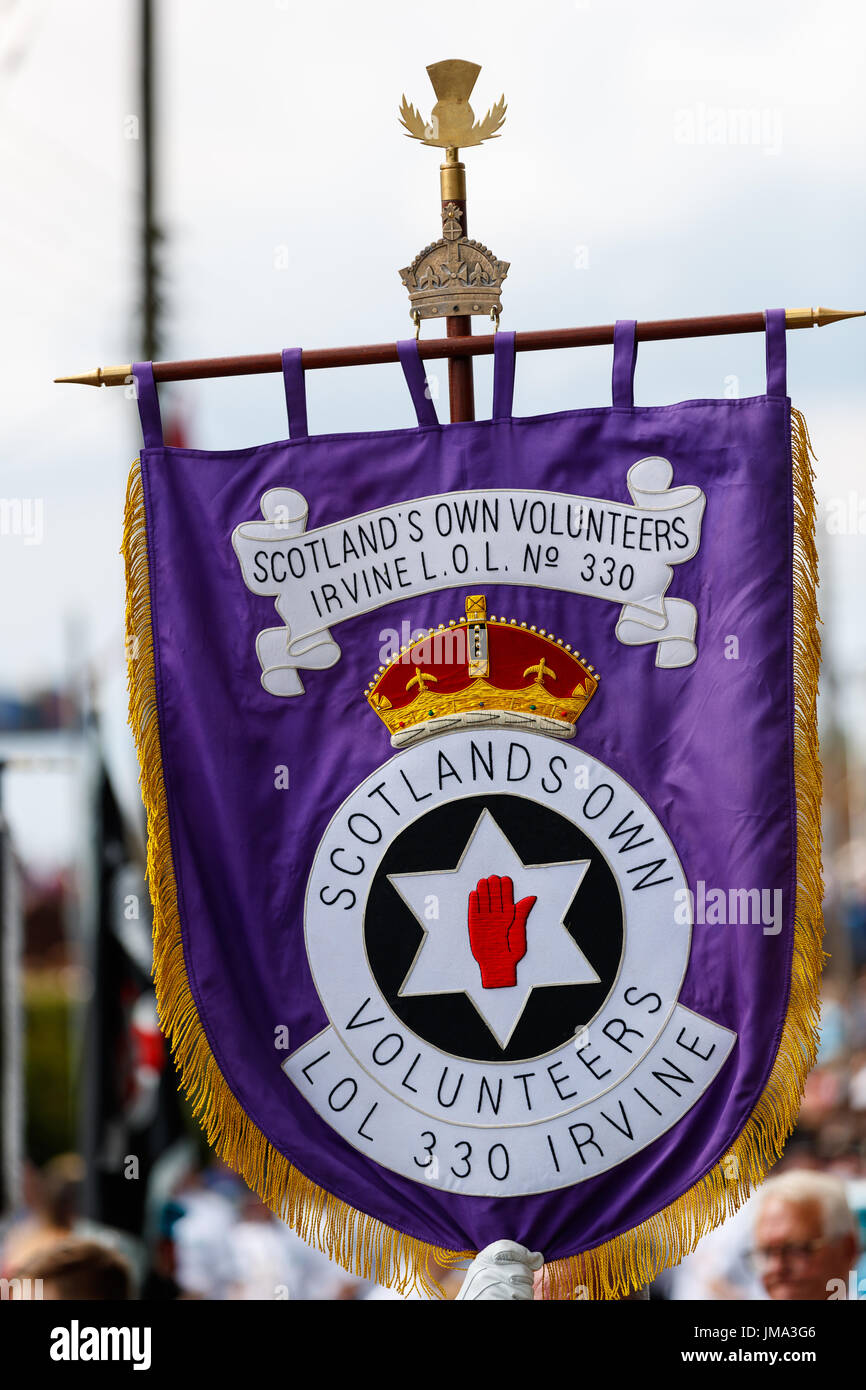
{"x":497,"y":930}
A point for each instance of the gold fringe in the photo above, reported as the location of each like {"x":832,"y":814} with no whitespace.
{"x":364,"y":1245}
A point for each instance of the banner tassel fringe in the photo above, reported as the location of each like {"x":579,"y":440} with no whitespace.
{"x":363,"y":1245}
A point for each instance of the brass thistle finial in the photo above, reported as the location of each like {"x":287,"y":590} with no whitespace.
{"x":454,"y":276}
{"x":452,"y":123}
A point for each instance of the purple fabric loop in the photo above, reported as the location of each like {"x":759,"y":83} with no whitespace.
{"x":624,"y":358}
{"x":148,"y":405}
{"x":777,"y":377}
{"x":503,"y":375}
{"x":413,"y":370}
{"x":296,"y":393}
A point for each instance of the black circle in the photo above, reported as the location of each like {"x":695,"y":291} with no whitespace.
{"x":392,"y":933}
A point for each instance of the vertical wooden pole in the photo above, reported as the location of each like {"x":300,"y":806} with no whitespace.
{"x":461,"y":381}
{"x":461,"y":384}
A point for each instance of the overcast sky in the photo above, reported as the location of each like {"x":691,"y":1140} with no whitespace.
{"x":290,"y":198}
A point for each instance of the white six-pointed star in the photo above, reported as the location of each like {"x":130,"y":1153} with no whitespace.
{"x":444,"y":962}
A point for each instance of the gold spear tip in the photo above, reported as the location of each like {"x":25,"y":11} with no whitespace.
{"x":823,"y":316}
{"x":817,"y":318}
{"x":93,"y":378}
{"x":100,"y":376}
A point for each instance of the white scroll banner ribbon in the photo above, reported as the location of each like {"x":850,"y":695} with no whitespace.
{"x":551,"y":540}
{"x":285,"y":513}
{"x":672,"y":626}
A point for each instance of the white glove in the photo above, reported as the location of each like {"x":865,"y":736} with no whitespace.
{"x":502,"y":1271}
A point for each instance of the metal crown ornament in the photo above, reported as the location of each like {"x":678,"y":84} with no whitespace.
{"x":454,"y":275}
{"x":482,"y":672}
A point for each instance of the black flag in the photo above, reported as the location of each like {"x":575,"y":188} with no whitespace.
{"x":132,"y":1111}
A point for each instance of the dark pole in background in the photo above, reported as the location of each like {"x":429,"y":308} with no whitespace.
{"x":12,"y":1095}
{"x":150,"y":233}
{"x":128,"y":1108}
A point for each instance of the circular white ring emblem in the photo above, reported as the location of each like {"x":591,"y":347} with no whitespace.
{"x":498,"y":928}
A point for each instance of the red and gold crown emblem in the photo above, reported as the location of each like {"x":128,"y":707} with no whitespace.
{"x":484,"y":672}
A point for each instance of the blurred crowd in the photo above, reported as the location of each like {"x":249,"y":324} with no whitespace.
{"x":210,"y":1238}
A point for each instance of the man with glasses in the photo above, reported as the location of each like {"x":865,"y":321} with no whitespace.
{"x":805,"y":1246}
{"x":805,"y":1237}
